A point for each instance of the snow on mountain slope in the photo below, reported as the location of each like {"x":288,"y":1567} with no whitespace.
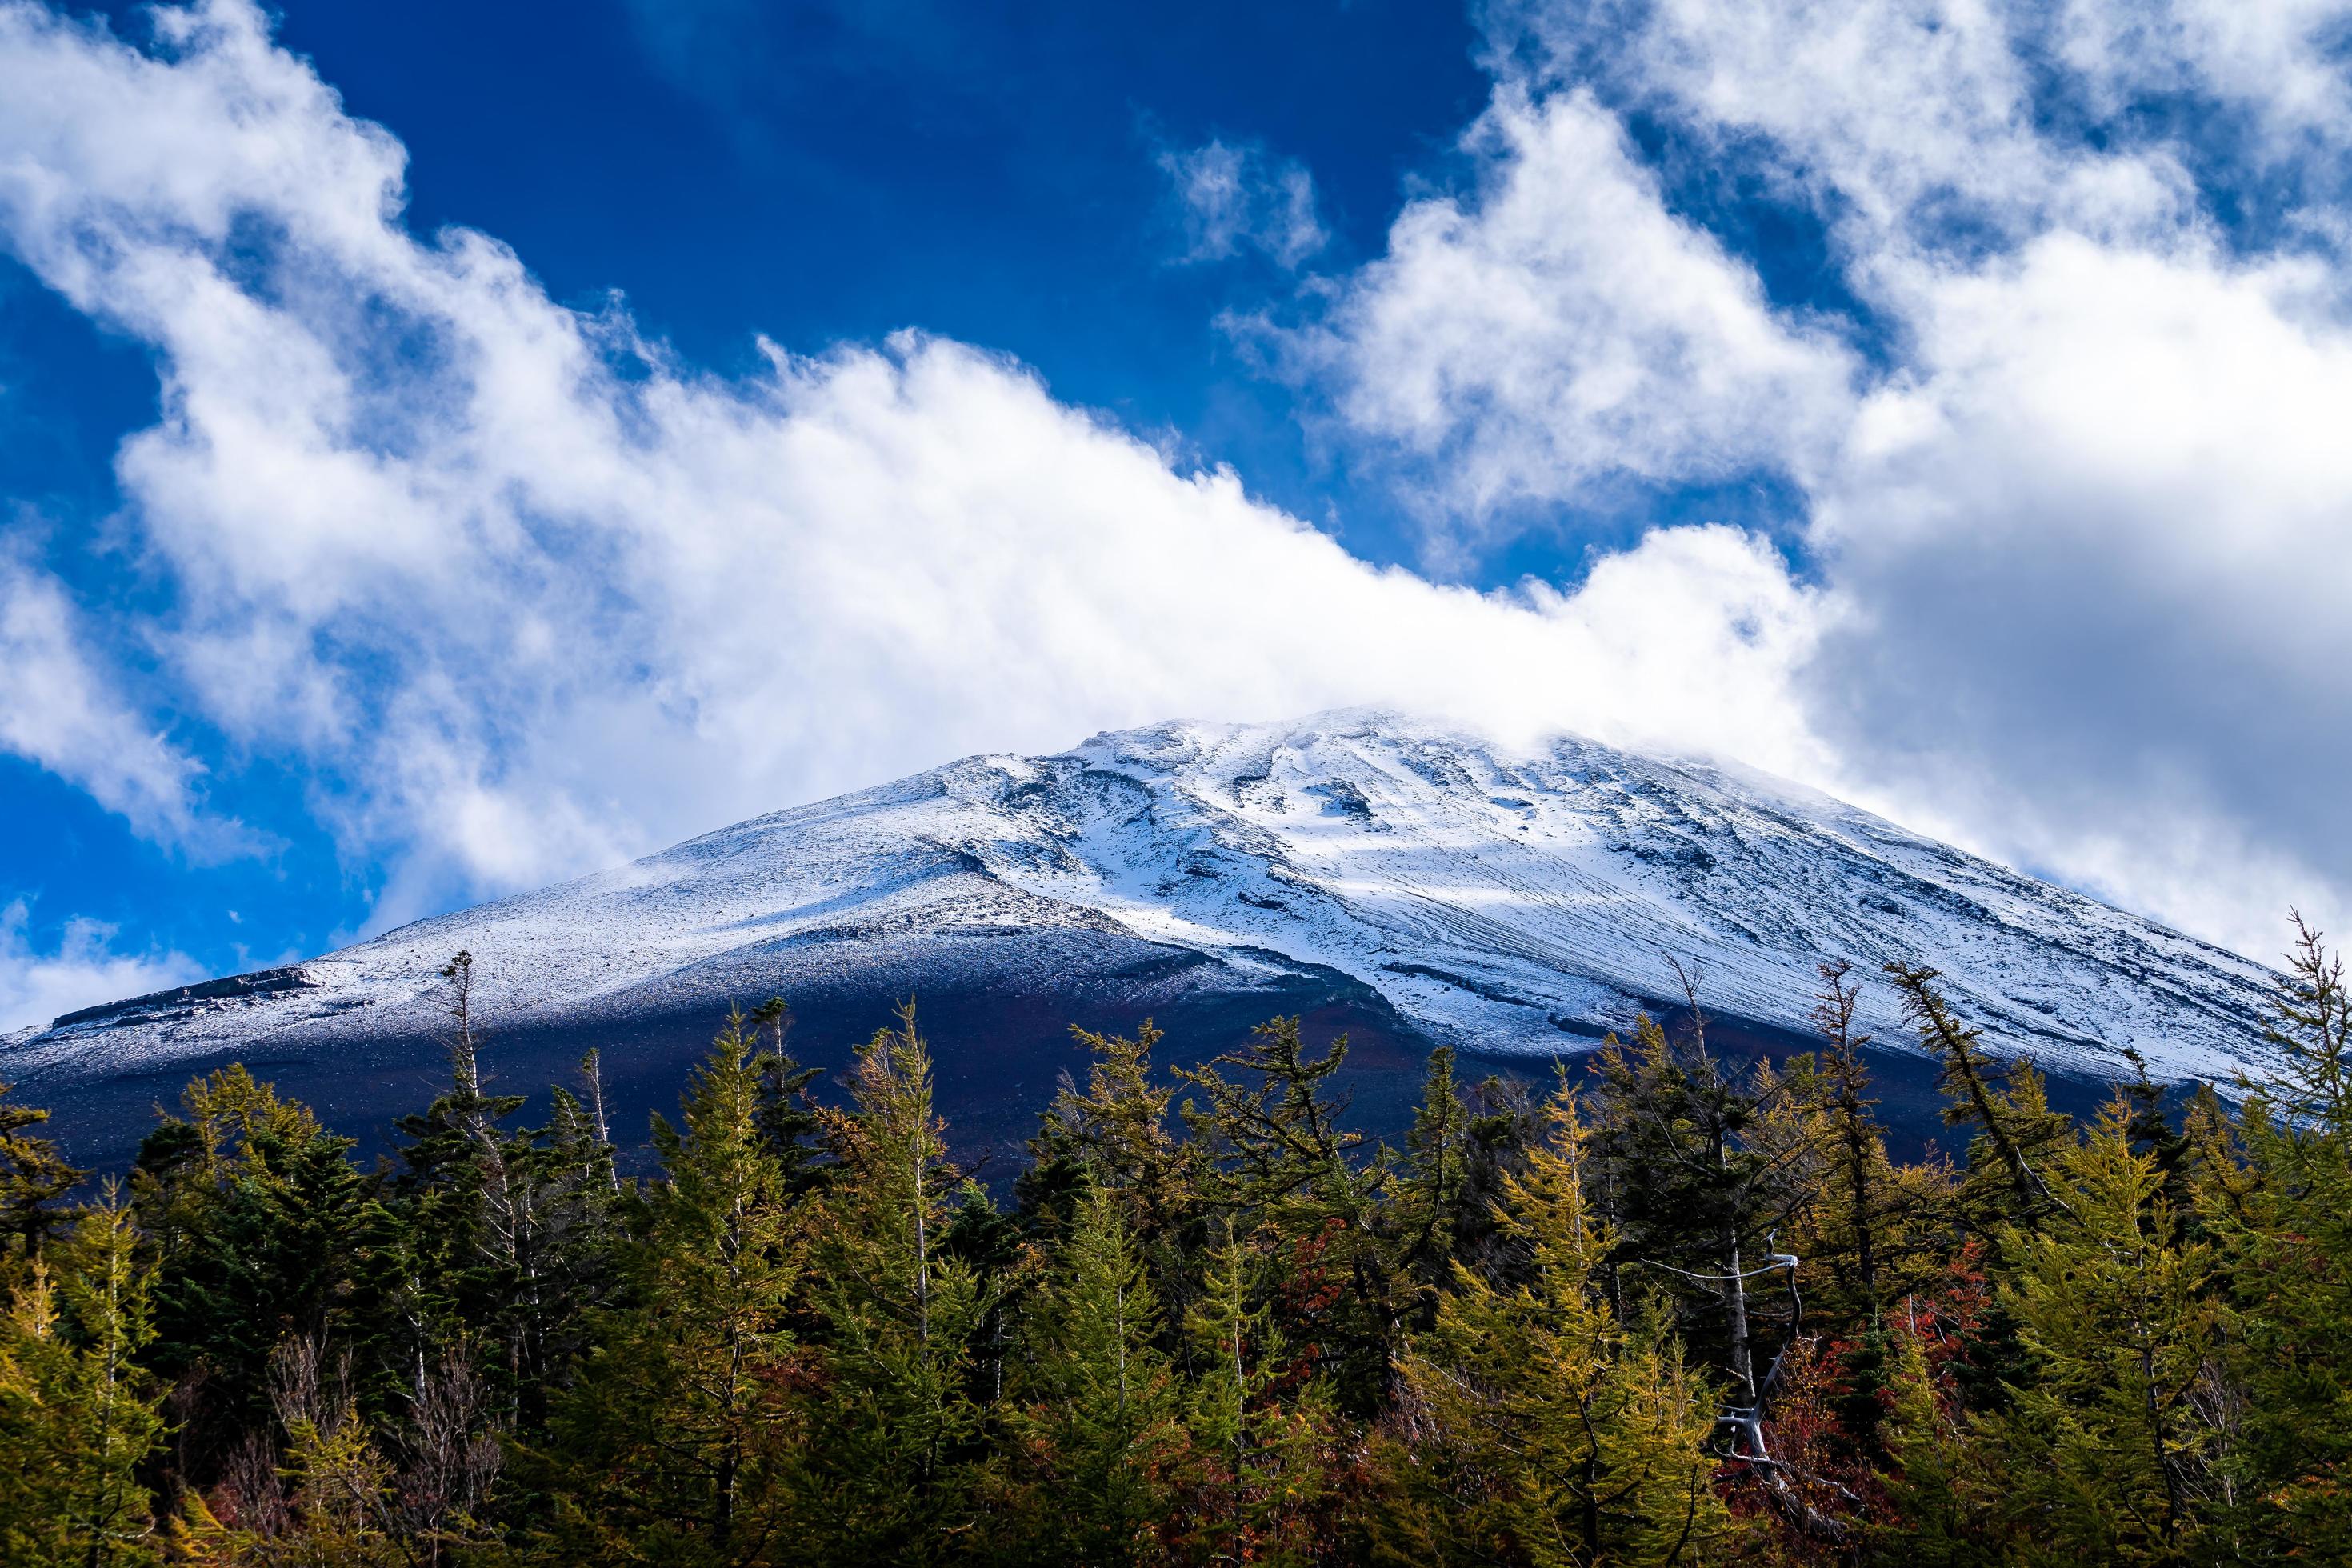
{"x":1502,"y":899}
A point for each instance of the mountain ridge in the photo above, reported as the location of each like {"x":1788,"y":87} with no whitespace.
{"x":1508,"y":900}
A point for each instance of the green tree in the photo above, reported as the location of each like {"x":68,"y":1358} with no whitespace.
{"x":1699,"y":1167}
{"x":2005,"y":1108}
{"x":1099,"y":1401}
{"x":472,"y":1219}
{"x":1261,"y":1424}
{"x":893,"y":1457}
{"x":2283,"y":1225}
{"x":79,"y":1417}
{"x":1432,"y":1192}
{"x":32,"y":1177}
{"x":1287,"y":1160}
{"x":261,"y":1230}
{"x":678,"y":1442}
{"x":2104,"y":1453}
{"x":1556,"y":1433}
{"x":788,"y":1115}
{"x":1115,"y":1136}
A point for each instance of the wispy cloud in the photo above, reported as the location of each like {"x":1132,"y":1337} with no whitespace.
{"x":530,"y":596}
{"x":530,"y":593}
{"x":82,"y":970}
{"x":2078,"y":515}
{"x":1231,"y":196}
{"x":59,"y":709}
{"x":1558,"y":329}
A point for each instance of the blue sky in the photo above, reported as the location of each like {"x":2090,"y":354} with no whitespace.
{"x":447,"y":448}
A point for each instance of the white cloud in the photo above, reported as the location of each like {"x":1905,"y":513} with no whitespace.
{"x":1234,"y":195}
{"x":2080,"y":526}
{"x":2101,"y":528}
{"x":83,"y":970}
{"x":1562,"y":329}
{"x":61,"y":711}
{"x":527,"y":595}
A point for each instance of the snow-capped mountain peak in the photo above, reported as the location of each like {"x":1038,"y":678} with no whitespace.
{"x":1501,"y":898}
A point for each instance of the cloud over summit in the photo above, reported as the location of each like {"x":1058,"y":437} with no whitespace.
{"x":517,"y":591}
{"x":525,"y":594}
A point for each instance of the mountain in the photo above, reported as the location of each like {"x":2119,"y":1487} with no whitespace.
{"x":1403,"y":880}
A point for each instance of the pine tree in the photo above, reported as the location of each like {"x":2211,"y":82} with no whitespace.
{"x":1261,"y":1426}
{"x":261,"y":1230}
{"x":787,"y":1116}
{"x":1556,"y":1433}
{"x":1861,"y":1205}
{"x":899,"y":1317}
{"x":2284,"y":1224}
{"x":1934,"y":1514}
{"x":1099,"y":1401}
{"x":1702,"y":1168}
{"x":1433,"y":1187}
{"x":1118,"y":1130}
{"x":2007,"y":1109}
{"x":1286,"y":1159}
{"x":32,"y":1177}
{"x":678,"y":1445}
{"x":2104,"y":1450}
{"x":471,"y":1217}
{"x":79,"y":1417}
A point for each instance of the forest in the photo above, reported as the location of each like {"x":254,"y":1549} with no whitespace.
{"x":1683,"y":1308}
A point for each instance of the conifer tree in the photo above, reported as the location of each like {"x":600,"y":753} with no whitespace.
{"x":1859,"y":1210}
{"x":1433,"y":1185}
{"x":2284,"y":1224}
{"x":1556,"y":1434}
{"x":2104,"y":1451}
{"x":787,"y":1116}
{"x":677,"y":1443}
{"x":899,"y":1315}
{"x":1260,"y":1424}
{"x":79,"y":1417}
{"x":1286,"y":1159}
{"x":32,"y":1177}
{"x":2006,"y":1107}
{"x":1934,"y":1514}
{"x":1115,"y":1135}
{"x":1100,"y":1401}
{"x":261,"y":1231}
{"x":1699,"y":1179}
{"x":471,"y":1217}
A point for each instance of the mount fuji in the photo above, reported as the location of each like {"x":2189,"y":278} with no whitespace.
{"x":1400,"y":879}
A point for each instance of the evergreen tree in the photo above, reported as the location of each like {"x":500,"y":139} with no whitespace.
{"x":32,"y":1177}
{"x":1099,"y":1401}
{"x":261,"y":1231}
{"x":79,"y":1417}
{"x":1261,"y":1426}
{"x":2284,"y":1224}
{"x":1934,"y":1514}
{"x":472,"y":1221}
{"x":1115,"y":1137}
{"x":1433,"y":1188}
{"x":1861,"y":1207}
{"x":678,"y":1444}
{"x":1702,"y":1167}
{"x":2103,"y":1450}
{"x":788,"y":1115}
{"x":2009,"y":1114}
{"x":895,"y":1447}
{"x":1286,"y":1159}
{"x":1556,"y":1433}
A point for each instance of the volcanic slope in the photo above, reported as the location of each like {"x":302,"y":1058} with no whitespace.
{"x":1503,"y":899}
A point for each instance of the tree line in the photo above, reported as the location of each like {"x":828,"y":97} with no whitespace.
{"x":1685,"y":1310}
